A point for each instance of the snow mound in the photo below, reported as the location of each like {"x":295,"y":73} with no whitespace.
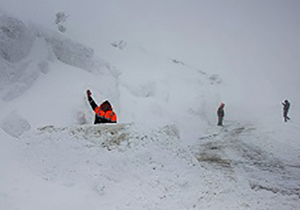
{"x":149,"y":169}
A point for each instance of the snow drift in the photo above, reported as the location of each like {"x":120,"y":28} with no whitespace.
{"x":31,"y":55}
{"x":138,"y":169}
{"x":166,"y":152}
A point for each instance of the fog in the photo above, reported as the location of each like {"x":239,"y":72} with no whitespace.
{"x":178,"y":60}
{"x":249,"y":43}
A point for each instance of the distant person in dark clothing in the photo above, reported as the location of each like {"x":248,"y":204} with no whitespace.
{"x":104,"y":112}
{"x":221,"y":114}
{"x":286,"y":106}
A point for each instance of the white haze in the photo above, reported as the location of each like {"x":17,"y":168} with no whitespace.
{"x":261,"y":38}
{"x":175,"y":62}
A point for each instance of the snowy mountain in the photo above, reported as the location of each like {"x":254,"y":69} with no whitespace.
{"x":166,"y":151}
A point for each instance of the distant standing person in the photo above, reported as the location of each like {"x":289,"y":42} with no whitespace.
{"x":286,"y":106}
{"x":221,"y":114}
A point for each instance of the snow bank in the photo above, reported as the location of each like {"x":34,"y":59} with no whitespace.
{"x":138,"y":168}
{"x":31,"y":55}
{"x":26,"y":50}
{"x":129,"y":166}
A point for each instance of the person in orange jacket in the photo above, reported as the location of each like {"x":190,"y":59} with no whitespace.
{"x":103,"y":113}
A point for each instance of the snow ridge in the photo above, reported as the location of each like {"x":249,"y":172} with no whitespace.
{"x":150,"y":169}
{"x":26,"y":50}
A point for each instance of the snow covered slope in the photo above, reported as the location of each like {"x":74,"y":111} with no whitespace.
{"x":44,"y":75}
{"x":114,"y":166}
{"x":166,"y":151}
{"x":130,"y":167}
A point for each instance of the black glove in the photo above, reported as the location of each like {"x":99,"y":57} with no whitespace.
{"x":89,"y":93}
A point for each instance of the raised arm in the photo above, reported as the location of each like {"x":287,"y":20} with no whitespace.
{"x":91,"y":100}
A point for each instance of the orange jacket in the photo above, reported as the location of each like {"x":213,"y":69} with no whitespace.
{"x":107,"y":115}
